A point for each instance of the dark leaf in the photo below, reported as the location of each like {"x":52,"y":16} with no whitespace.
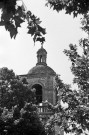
{"x":2,"y":23}
{"x":42,"y":30}
{"x":18,"y":21}
{"x":41,"y":39}
{"x":31,"y":30}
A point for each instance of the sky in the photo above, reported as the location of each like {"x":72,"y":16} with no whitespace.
{"x":20,"y":54}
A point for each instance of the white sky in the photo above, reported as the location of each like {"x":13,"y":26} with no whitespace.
{"x":20,"y":54}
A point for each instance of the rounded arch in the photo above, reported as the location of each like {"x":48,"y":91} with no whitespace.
{"x":37,"y":82}
{"x":38,"y":92}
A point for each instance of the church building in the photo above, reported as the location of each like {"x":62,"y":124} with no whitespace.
{"x":42,"y":78}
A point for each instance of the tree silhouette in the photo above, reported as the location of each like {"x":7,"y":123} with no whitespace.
{"x":18,"y":112}
{"x":13,"y":15}
{"x":70,"y":6}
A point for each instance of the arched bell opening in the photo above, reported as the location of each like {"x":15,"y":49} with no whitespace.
{"x":38,"y":89}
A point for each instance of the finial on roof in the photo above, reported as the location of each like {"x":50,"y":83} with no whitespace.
{"x":41,"y":45}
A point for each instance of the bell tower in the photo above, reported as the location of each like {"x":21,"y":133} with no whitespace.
{"x":41,"y":56}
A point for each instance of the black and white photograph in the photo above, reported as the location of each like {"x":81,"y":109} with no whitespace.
{"x":44,"y":67}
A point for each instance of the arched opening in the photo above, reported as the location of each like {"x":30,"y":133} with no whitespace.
{"x":38,"y":88}
{"x":41,"y":58}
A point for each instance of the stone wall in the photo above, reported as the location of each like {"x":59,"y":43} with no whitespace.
{"x":48,"y":86}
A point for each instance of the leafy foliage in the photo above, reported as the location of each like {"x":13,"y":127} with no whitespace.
{"x":13,"y":16}
{"x":21,"y":121}
{"x":72,"y":118}
{"x":80,"y":69}
{"x":70,"y":6}
{"x":6,"y":74}
{"x":13,"y":90}
{"x":85,"y":23}
{"x":18,"y":112}
{"x":80,"y":64}
{"x":35,"y":29}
